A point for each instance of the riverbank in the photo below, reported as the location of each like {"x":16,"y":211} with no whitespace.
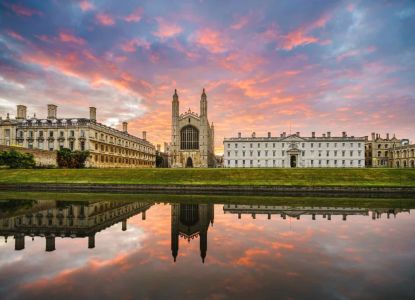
{"x":215,"y":177}
{"x":295,"y":182}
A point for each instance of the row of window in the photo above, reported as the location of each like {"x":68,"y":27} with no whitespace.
{"x":335,"y":162}
{"x":274,"y":153}
{"x":121,"y":160}
{"x":20,"y":134}
{"x":51,"y":145}
{"x":121,"y":151}
{"x":114,"y":140}
{"x":303,"y":145}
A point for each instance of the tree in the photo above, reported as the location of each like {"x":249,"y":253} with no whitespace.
{"x":67,"y":158}
{"x":17,"y":160}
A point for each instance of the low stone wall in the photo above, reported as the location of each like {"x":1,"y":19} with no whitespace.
{"x":344,"y":191}
{"x":42,"y":157}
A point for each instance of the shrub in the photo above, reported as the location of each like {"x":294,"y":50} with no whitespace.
{"x":67,"y":158}
{"x":17,"y":160}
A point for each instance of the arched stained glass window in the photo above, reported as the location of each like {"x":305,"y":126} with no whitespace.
{"x":189,"y":138}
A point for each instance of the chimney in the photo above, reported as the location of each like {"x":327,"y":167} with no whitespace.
{"x":328,"y":134}
{"x":324,"y":135}
{"x":373,"y":136}
{"x":144,"y":135}
{"x":165,"y":147}
{"x":344,"y":134}
{"x":125,"y":127}
{"x":21,"y":112}
{"x":284,"y":134}
{"x":93,"y":114}
{"x":387,"y":136}
{"x":158,"y":147}
{"x":52,"y":111}
{"x":298,"y":133}
{"x":253,"y":134}
{"x":239,"y":135}
{"x":269,"y":134}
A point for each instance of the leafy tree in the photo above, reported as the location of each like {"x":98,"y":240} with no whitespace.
{"x":17,"y":160}
{"x":67,"y":158}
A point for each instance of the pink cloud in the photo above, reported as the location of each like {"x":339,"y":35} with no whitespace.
{"x":295,"y":39}
{"x":86,"y":5}
{"x":70,"y":38}
{"x":15,"y":35}
{"x":211,"y":40}
{"x":240,"y":23}
{"x":132,"y":45}
{"x":135,"y":16}
{"x":166,"y":29}
{"x":23,"y":10}
{"x":105,"y":19}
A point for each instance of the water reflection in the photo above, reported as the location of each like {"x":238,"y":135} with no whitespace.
{"x":52,"y":219}
{"x":151,"y":248}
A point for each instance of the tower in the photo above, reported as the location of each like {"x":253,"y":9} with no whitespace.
{"x":204,"y":135}
{"x":175,"y":142}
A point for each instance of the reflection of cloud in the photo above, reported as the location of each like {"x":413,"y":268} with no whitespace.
{"x":287,"y":258}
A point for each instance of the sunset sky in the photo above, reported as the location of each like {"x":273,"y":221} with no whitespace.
{"x":266,"y":65}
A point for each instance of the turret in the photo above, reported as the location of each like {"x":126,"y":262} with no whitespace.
{"x":175,"y":104}
{"x":21,"y":112}
{"x":203,"y":104}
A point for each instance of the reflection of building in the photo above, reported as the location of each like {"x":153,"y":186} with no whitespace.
{"x":189,"y":221}
{"x":297,"y":211}
{"x":51,"y":219}
{"x":109,"y":147}
{"x":291,"y":151}
{"x":192,"y":136}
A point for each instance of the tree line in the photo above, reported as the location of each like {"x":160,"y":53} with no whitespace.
{"x":66,"y":158}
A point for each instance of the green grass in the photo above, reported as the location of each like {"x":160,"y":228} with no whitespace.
{"x":294,"y":177}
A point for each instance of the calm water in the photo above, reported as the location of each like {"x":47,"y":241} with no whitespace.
{"x":126,"y":248}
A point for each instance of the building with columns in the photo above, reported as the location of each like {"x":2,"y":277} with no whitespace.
{"x":294,"y":151}
{"x":109,"y":147}
{"x":192,"y":137}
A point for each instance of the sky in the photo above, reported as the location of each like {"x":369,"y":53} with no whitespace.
{"x":267,"y":66}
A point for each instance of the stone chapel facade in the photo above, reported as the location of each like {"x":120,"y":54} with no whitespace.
{"x":192,"y":138}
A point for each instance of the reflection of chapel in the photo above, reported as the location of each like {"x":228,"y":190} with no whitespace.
{"x":189,"y":221}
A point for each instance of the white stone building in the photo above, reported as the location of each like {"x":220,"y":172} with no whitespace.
{"x":291,"y":151}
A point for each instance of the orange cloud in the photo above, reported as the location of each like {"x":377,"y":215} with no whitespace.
{"x":105,"y":19}
{"x":295,"y":39}
{"x":135,"y":16}
{"x":69,"y":38}
{"x":166,"y":29}
{"x":211,"y":40}
{"x":86,"y":5}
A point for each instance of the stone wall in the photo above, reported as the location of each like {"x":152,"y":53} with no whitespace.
{"x":42,"y":157}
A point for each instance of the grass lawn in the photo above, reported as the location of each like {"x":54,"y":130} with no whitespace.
{"x":296,"y":177}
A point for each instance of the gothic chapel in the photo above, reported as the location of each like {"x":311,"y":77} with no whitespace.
{"x":192,"y":138}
